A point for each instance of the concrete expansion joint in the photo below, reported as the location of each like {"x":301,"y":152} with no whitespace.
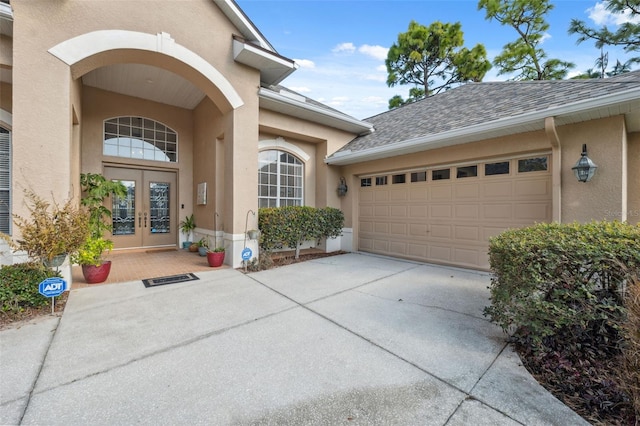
{"x":156,"y":352}
{"x":434,"y":307}
{"x":35,"y":380}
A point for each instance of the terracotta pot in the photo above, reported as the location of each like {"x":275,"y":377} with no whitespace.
{"x":215,"y":259}
{"x":96,"y":274}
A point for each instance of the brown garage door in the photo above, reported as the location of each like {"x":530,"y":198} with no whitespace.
{"x":447,"y":214}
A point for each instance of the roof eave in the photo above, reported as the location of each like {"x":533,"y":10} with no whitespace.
{"x":501,"y":127}
{"x":273,"y":67}
{"x":276,"y":102}
{"x":243,"y":23}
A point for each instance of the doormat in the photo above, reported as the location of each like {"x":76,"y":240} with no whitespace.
{"x":172,"y":279}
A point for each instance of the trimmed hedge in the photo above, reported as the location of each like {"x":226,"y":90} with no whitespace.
{"x":290,"y":226}
{"x":19,"y":286}
{"x":551,"y":276}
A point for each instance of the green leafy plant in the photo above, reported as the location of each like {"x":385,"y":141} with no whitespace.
{"x":203,"y":242}
{"x":50,"y":229}
{"x":92,"y":251}
{"x":216,"y":250}
{"x":560,"y":288}
{"x":290,"y":226}
{"x":188,"y":225}
{"x":19,"y":289}
{"x":95,"y":189}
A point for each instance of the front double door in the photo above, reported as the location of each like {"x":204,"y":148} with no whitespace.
{"x":146,"y":217}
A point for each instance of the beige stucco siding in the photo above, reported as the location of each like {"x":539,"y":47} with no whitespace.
{"x":208,"y":164}
{"x":633,"y":174}
{"x":325,"y":140}
{"x":602,"y":198}
{"x":99,"y":105}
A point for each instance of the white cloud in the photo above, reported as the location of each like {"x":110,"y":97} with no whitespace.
{"x":601,"y":16}
{"x":305,"y":63}
{"x":376,"y":52}
{"x":344,"y":48}
{"x":545,"y":37}
{"x":376,"y":77}
{"x":301,"y":89}
{"x":382,"y":68}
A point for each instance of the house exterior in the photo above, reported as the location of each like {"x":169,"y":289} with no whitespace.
{"x":184,"y":103}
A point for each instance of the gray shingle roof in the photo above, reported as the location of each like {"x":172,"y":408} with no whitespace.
{"x":478,"y":103}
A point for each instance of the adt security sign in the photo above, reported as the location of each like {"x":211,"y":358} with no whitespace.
{"x":246,"y":253}
{"x":52,"y":287}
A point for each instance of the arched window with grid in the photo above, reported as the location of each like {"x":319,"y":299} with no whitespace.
{"x":280,"y":179}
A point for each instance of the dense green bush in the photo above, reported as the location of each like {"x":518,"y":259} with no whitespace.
{"x":550,"y":276}
{"x":290,"y":226}
{"x":561,"y":289}
{"x":19,"y":286}
{"x":630,"y":371}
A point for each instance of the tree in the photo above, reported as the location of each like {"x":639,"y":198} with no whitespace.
{"x":433,"y":59}
{"x":627,"y":35}
{"x":524,"y":56}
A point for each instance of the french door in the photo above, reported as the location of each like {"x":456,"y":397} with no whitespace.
{"x":146,"y":217}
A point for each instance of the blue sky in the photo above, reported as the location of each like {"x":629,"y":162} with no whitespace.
{"x":340,"y":45}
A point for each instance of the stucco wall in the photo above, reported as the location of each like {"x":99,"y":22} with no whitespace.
{"x":633,"y":173}
{"x":99,"y":105}
{"x":602,"y":198}
{"x":208,"y":144}
{"x":325,"y":140}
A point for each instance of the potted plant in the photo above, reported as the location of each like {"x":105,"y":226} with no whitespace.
{"x":203,"y":246}
{"x":186,"y":227}
{"x":51,"y":231}
{"x":215,"y":256}
{"x":94,"y":268}
{"x":96,"y":188}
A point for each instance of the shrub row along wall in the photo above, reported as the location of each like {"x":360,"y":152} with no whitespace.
{"x":554,"y":275}
{"x":290,"y":226}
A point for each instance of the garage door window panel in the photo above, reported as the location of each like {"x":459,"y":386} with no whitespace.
{"x":466,"y":171}
{"x":536,"y":164}
{"x":442,"y":174}
{"x":492,"y":169}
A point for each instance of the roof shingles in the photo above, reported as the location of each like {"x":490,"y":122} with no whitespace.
{"x":477,"y":103}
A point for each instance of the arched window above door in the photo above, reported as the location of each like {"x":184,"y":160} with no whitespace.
{"x":140,"y":138}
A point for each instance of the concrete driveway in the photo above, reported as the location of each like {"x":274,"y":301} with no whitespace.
{"x":349,"y":339}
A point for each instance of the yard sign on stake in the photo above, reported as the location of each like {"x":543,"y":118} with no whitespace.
{"x":52,"y":287}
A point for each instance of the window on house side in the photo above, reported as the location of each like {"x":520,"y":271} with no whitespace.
{"x":280,"y":179}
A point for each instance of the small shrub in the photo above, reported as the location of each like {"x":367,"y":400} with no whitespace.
{"x":290,"y":226}
{"x":19,"y":286}
{"x":551,"y":276}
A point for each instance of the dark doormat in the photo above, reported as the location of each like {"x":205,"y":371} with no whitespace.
{"x":154,"y":282}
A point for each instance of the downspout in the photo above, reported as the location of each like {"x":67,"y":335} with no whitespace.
{"x":556,"y":169}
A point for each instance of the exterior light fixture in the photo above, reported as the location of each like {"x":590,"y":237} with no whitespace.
{"x":342,"y":187}
{"x":584,"y":168}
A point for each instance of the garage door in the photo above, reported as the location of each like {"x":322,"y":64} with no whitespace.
{"x":447,"y":214}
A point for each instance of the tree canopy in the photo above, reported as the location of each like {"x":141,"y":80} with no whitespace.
{"x":627,"y":35}
{"x":524,"y":57}
{"x":432,"y":59}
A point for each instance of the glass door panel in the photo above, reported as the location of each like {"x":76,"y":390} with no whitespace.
{"x":159,"y":207}
{"x":123,"y":211}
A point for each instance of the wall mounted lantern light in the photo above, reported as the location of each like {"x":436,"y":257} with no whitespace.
{"x":342,"y":187}
{"x":584,"y":168}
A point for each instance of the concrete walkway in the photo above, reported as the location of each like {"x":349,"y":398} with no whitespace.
{"x":350,"y":339}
